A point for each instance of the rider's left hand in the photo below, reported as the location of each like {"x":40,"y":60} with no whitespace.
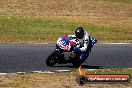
{"x":76,"y":49}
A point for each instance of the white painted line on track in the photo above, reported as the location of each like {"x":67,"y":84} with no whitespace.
{"x":62,"y":70}
{"x":3,"y":74}
{"x":41,"y":72}
{"x":20,"y":72}
{"x":48,"y":72}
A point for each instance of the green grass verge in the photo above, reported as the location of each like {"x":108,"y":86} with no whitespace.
{"x":110,"y":71}
{"x":31,"y":30}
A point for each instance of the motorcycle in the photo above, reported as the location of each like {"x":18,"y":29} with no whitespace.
{"x":64,"y":52}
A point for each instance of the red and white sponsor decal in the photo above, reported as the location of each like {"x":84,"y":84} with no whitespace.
{"x":110,"y":78}
{"x":107,"y":78}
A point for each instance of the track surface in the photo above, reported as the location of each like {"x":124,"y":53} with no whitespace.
{"x":19,"y":58}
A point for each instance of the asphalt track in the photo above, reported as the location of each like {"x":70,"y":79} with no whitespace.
{"x":26,"y":58}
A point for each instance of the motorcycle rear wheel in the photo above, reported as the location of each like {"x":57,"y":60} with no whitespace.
{"x":77,"y":63}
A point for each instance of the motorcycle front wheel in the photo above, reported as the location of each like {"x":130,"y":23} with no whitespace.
{"x":51,"y":60}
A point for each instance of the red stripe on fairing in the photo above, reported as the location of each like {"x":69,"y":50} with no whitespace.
{"x":71,"y":43}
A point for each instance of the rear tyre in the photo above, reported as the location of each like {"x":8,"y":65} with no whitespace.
{"x":51,"y":60}
{"x":77,"y":63}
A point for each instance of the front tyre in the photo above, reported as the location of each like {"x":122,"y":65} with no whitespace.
{"x":51,"y":60}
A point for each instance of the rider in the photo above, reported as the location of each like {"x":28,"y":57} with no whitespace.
{"x":83,"y":37}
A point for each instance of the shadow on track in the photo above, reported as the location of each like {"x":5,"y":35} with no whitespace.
{"x":83,"y":66}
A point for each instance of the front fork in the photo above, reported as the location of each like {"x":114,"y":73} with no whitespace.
{"x":60,"y":55}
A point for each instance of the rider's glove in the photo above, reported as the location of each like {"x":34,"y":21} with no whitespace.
{"x":76,"y":49}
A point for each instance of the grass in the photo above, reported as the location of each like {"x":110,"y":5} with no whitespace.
{"x":58,"y":80}
{"x":31,"y":30}
{"x":45,"y":20}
